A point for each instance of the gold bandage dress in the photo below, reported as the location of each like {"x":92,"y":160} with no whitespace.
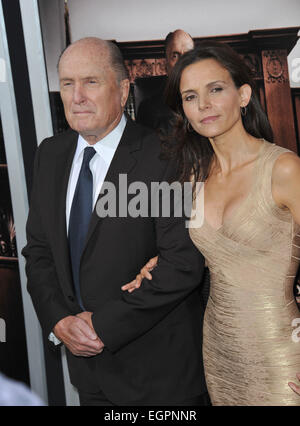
{"x":251,"y":343}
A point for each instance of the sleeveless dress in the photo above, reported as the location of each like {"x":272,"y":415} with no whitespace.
{"x":251,"y":345}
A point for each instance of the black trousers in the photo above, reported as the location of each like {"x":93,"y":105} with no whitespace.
{"x":99,"y":399}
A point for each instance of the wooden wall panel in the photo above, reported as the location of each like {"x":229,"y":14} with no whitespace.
{"x":279,"y":98}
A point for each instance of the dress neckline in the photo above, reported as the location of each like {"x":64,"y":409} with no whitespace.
{"x":245,"y":200}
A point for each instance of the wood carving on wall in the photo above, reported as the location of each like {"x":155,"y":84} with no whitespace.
{"x":278,"y":97}
{"x":276,"y":66}
{"x":253,"y":60}
{"x":145,"y":67}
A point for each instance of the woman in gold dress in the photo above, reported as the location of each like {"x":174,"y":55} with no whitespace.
{"x":250,"y":232}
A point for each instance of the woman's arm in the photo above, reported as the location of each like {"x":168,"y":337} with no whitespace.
{"x":286,"y":194}
{"x":286,"y":184}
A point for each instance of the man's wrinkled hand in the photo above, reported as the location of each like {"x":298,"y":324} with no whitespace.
{"x":87,"y":317}
{"x":78,"y":336}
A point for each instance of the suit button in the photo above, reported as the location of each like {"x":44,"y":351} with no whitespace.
{"x":71,"y":298}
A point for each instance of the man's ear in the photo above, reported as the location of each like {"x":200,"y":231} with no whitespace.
{"x":245,"y":94}
{"x":125,"y":87}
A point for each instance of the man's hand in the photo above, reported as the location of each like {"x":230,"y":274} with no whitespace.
{"x":79,"y":337}
{"x":87,"y":317}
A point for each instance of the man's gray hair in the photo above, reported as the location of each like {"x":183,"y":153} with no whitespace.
{"x":115,"y":57}
{"x":117,"y":61}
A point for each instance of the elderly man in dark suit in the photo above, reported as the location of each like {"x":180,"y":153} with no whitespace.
{"x":123,"y":348}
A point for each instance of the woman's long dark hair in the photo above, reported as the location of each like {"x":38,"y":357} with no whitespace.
{"x":192,"y":152}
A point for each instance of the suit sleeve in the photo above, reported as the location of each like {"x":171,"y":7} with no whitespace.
{"x":42,"y":281}
{"x":146,"y":115}
{"x":177,"y":274}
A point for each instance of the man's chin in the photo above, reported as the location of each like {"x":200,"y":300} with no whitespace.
{"x":81,"y":128}
{"x":81,"y":124}
{"x":89,"y":135}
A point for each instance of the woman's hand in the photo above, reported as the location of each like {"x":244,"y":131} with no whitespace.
{"x":293,"y":386}
{"x":144,"y":273}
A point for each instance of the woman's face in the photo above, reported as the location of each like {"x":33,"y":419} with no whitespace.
{"x":210,"y":100}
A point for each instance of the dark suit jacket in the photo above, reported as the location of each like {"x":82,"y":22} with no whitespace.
{"x":154,"y":113}
{"x":152,"y":336}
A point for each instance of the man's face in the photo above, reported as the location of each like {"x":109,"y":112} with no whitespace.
{"x":93,"y":100}
{"x":180,"y":44}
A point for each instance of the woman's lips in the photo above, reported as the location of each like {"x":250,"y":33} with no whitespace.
{"x":209,"y":119}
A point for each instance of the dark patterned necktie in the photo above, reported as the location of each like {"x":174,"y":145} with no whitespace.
{"x":80,"y":216}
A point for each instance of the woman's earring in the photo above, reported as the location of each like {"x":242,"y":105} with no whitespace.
{"x":243,"y":111}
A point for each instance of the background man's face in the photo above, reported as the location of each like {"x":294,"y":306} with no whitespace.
{"x":93,"y":100}
{"x":180,"y":44}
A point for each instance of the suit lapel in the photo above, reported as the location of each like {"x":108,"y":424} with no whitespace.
{"x":122,"y":163}
{"x":62,"y":172}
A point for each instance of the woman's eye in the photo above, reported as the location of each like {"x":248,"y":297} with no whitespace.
{"x":217,"y":89}
{"x":189,"y":98}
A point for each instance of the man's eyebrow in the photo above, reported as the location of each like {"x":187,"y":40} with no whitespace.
{"x":90,"y":77}
{"x":82,"y":78}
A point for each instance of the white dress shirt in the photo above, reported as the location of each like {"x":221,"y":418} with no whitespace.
{"x":99,"y":165}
